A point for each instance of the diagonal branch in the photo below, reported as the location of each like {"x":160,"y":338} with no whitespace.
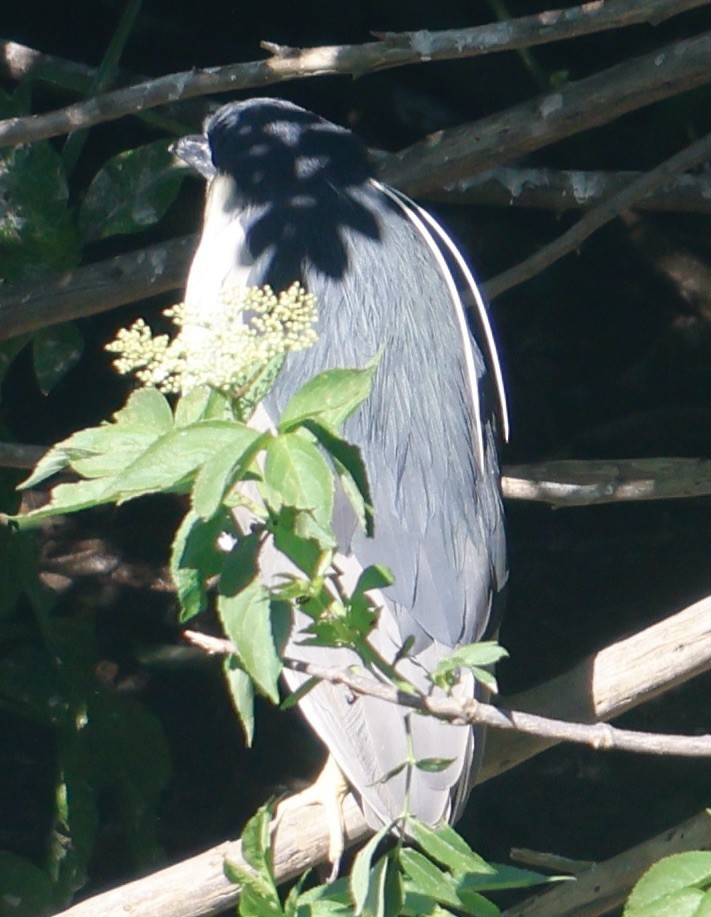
{"x":353,"y":60}
{"x":603,"y":887}
{"x":603,"y":686}
{"x":569,"y":241}
{"x":449,"y":155}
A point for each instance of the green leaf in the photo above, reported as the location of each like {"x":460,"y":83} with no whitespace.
{"x":221,"y":470}
{"x":241,"y":690}
{"x":25,"y":890}
{"x":241,"y":565}
{"x":296,"y":469}
{"x":146,"y":410}
{"x":173,"y":457}
{"x":433,"y":765}
{"x":131,"y":192}
{"x":384,"y":897}
{"x":473,"y":656}
{"x":256,"y":842}
{"x":54,"y":351}
{"x":247,"y":620}
{"x":296,"y":696}
{"x":259,"y":897}
{"x":672,"y":874}
{"x":376,"y":576}
{"x":328,"y":398}
{"x":288,"y":529}
{"x":360,"y":873}
{"x":74,"y":836}
{"x":69,"y":498}
{"x":428,"y":879}
{"x":488,"y":652}
{"x":331,"y":900}
{"x":195,"y":558}
{"x":446,"y":846}
{"x":202,"y":403}
{"x":37,"y":232}
{"x":349,"y":465}
{"x":502,"y":878}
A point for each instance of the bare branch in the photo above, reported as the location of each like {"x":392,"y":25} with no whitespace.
{"x":611,"y":682}
{"x":603,"y":887}
{"x":603,"y":686}
{"x":449,"y":155}
{"x":561,"y":190}
{"x":584,"y":483}
{"x":473,"y":712}
{"x":558,"y":483}
{"x":95,"y":287}
{"x":355,"y":60}
{"x":693,"y":155}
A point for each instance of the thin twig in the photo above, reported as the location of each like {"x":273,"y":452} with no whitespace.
{"x":472,"y":712}
{"x":605,"y":685}
{"x":561,"y":190}
{"x":354,"y":60}
{"x":572,"y":239}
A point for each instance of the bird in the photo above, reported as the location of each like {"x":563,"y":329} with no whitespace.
{"x":294,"y":197}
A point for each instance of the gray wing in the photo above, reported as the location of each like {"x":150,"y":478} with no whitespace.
{"x":434,"y":484}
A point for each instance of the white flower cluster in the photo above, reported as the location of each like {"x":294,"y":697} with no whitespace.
{"x":226,"y":351}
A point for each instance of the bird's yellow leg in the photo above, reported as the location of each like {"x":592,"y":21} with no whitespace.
{"x":328,"y":790}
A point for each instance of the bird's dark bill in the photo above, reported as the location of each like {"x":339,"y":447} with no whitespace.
{"x":193,"y":151}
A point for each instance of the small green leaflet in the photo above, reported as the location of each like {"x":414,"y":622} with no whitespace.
{"x":328,"y":398}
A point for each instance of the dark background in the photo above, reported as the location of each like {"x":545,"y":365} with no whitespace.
{"x":604,"y":356}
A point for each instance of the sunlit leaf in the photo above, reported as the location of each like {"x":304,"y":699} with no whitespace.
{"x":361,"y":870}
{"x":328,"y":398}
{"x":296,"y":469}
{"x":247,"y":620}
{"x":666,"y":879}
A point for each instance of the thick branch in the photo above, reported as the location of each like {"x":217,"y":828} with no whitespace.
{"x":95,"y":287}
{"x":603,"y":686}
{"x":584,"y":483}
{"x":611,"y":682}
{"x":604,"y":887}
{"x":449,"y":155}
{"x":561,"y":190}
{"x":353,"y":60}
{"x":572,"y":239}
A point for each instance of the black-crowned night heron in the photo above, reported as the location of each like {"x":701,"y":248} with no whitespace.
{"x":294,"y":197}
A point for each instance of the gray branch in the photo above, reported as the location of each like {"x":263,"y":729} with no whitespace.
{"x":95,"y":288}
{"x":603,"y":686}
{"x":459,"y":152}
{"x":471,"y":712}
{"x":603,"y":887}
{"x":584,"y":483}
{"x":354,"y":60}
{"x":563,"y":190}
{"x":572,"y":239}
